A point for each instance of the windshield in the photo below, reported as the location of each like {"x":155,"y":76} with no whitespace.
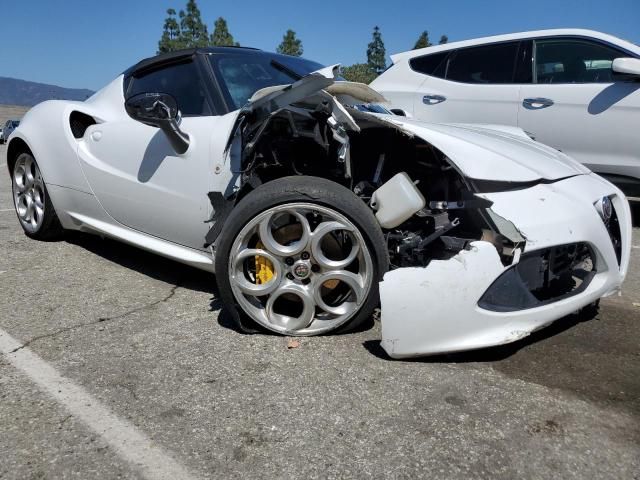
{"x":243,"y":74}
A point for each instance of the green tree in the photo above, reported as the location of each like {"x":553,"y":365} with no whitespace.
{"x":170,"y":39}
{"x":443,"y":39}
{"x":423,"y":41}
{"x":221,"y":36}
{"x":359,"y":72}
{"x":193,"y":32}
{"x":290,"y":45}
{"x":376,"y":52}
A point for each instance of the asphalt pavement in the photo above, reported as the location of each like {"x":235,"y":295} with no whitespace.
{"x":114,"y":342}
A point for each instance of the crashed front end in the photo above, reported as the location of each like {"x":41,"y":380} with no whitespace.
{"x":490,"y":235}
{"x":571,"y":257}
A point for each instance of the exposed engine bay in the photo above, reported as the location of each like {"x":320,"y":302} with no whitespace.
{"x":425,"y":206}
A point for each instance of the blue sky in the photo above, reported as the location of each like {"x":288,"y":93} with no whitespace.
{"x":85,"y":43}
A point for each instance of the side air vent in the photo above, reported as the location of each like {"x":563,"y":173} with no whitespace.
{"x":79,"y":122}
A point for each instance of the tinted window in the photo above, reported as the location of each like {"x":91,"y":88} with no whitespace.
{"x":180,"y":80}
{"x":485,"y":64}
{"x":574,"y":61}
{"x":243,"y":75}
{"x":433,"y":64}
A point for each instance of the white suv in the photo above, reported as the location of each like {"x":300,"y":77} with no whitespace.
{"x":575,"y":90}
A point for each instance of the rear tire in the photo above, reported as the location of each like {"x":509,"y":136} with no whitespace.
{"x":31,"y":200}
{"x":324,"y":253}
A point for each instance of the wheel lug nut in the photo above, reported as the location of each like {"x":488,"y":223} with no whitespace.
{"x":315,"y":268}
{"x":290,"y":276}
{"x":305,"y":255}
{"x":288,"y":261}
{"x":306,"y":281}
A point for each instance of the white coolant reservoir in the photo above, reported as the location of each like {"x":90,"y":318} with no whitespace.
{"x":396,"y":201}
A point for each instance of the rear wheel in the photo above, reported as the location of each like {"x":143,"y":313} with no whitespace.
{"x":31,"y":200}
{"x":301,"y":256}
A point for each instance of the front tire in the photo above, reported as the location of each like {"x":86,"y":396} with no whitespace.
{"x":301,"y":256}
{"x":31,"y":200}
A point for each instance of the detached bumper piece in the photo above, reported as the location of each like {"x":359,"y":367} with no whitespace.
{"x":573,"y":256}
{"x":542,"y":277}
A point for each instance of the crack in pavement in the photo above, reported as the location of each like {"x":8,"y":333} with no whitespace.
{"x":171,"y":293}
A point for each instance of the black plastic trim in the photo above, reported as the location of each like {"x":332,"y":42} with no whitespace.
{"x":79,"y":122}
{"x":510,"y":292}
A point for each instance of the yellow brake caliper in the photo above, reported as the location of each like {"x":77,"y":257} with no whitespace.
{"x":264,"y":268}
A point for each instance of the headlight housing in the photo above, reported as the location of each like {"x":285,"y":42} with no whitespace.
{"x":604,"y":208}
{"x":607,"y":212}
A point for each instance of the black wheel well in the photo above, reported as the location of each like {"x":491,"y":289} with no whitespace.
{"x":15,"y":149}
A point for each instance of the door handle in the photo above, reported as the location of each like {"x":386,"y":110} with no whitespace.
{"x":536,"y":103}
{"x":433,"y":99}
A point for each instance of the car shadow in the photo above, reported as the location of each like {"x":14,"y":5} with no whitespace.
{"x":498,"y":353}
{"x":611,"y":95}
{"x":228,"y":319}
{"x":187,"y":277}
{"x":158,"y":149}
{"x":147,"y":263}
{"x":173,"y":273}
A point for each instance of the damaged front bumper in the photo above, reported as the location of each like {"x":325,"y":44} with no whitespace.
{"x":450,"y":305}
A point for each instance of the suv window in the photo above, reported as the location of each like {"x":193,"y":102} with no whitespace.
{"x":178,"y":79}
{"x":484,"y":64}
{"x":574,"y":61}
{"x":434,"y":64}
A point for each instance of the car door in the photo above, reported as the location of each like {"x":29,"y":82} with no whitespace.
{"x":136,"y":175}
{"x":477,"y":84}
{"x":578,"y":105}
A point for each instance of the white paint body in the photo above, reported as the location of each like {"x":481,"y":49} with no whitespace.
{"x":435,"y":309}
{"x":595,"y":123}
{"x":122,"y":180}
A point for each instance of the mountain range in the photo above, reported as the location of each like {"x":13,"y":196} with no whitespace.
{"x":25,"y":93}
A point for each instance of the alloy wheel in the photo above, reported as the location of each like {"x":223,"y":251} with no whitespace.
{"x":300,"y":269}
{"x":28,"y":193}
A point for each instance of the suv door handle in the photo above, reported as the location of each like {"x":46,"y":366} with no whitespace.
{"x":433,"y":99}
{"x":536,"y":103}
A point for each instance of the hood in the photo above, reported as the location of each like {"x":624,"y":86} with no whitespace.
{"x":481,"y":152}
{"x":495,"y":153}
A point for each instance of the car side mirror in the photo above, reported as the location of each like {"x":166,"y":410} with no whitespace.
{"x":628,"y":66}
{"x":159,"y":110}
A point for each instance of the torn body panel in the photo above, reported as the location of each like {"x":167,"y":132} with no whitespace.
{"x":439,"y":308}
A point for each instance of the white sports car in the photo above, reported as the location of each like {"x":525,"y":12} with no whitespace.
{"x":312,"y":205}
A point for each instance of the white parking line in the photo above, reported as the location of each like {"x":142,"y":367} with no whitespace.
{"x":127,"y":441}
{"x":7,"y":209}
